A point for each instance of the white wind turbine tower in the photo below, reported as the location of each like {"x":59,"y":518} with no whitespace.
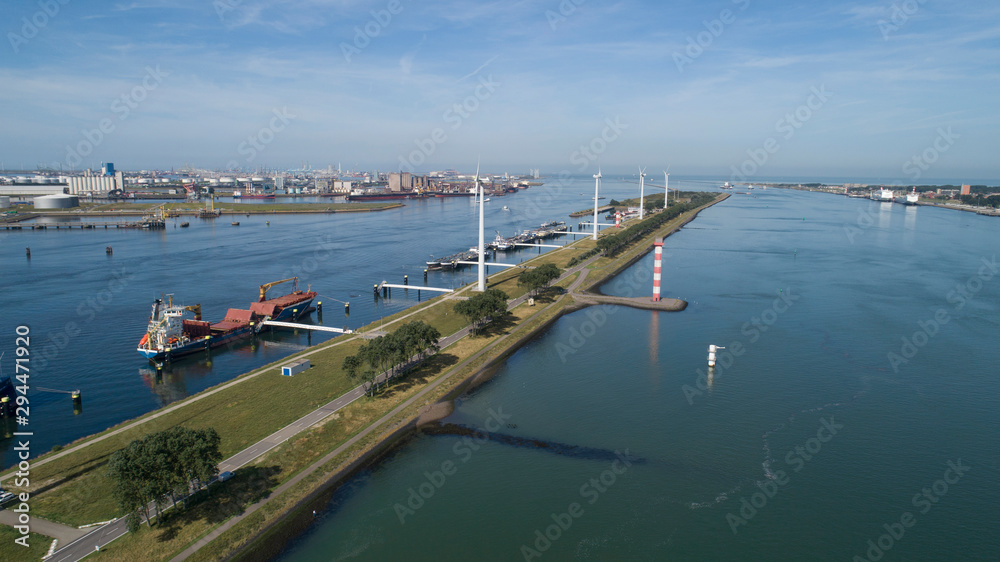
{"x":597,"y":188}
{"x":482,"y":240}
{"x":642,"y":191}
{"x":666,"y":187}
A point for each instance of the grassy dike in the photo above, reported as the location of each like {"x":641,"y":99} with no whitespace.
{"x":70,"y":486}
{"x":11,"y":552}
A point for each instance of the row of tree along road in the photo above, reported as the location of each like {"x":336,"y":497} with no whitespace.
{"x":162,"y":465}
{"x":170,"y":464}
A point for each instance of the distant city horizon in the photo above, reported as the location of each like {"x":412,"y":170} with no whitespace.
{"x":610,"y":174}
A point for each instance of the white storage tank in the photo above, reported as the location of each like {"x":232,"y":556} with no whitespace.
{"x":4,"y":201}
{"x":57,"y":201}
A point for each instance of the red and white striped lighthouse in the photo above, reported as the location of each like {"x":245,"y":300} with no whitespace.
{"x":657,"y":267}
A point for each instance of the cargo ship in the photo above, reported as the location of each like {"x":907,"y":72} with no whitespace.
{"x":252,"y":195}
{"x":383,"y":196}
{"x":170,"y":335}
{"x":454,"y":194}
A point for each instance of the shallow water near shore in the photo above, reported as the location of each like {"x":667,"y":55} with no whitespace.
{"x":807,"y":441}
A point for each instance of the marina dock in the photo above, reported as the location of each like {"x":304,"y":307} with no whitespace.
{"x":147,"y":225}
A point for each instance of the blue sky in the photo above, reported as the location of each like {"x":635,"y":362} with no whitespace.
{"x":718,"y":87}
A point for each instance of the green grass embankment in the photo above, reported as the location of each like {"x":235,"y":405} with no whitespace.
{"x":74,"y":489}
{"x":38,"y":546}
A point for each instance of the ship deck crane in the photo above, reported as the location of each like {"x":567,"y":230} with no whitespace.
{"x":266,"y":286}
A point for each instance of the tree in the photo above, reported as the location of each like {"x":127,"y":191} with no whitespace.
{"x":483,"y":307}
{"x":388,"y":354}
{"x":130,"y":489}
{"x":539,"y":277}
{"x":161,"y":464}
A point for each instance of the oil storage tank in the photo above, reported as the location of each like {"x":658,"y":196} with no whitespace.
{"x":4,"y":201}
{"x":57,"y":201}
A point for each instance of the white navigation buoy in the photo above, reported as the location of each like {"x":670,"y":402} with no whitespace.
{"x":711,"y":354}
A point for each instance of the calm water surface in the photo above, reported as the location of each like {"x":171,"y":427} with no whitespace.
{"x":804,"y":446}
{"x":87,"y":310}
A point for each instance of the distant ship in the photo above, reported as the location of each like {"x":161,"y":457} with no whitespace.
{"x":884,"y":195}
{"x":454,"y":194}
{"x":241,"y":195}
{"x":726,"y":185}
{"x":912,"y":198}
{"x":380,"y":196}
{"x":170,"y":335}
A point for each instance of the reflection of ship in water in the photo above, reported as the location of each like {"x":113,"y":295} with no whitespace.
{"x":171,"y":381}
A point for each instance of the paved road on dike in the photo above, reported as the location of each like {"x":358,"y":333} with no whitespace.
{"x":103,"y":535}
{"x":445,"y":342}
{"x":63,"y":533}
{"x":87,"y":544}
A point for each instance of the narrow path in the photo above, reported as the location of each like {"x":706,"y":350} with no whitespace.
{"x":384,"y":419}
{"x":103,"y":535}
{"x":322,"y":347}
{"x":64,"y":533}
{"x":87,"y":544}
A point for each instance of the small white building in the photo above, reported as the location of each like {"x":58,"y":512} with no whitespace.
{"x":295,"y":367}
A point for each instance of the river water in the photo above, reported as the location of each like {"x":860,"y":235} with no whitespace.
{"x":86,"y":310}
{"x":855,"y":402}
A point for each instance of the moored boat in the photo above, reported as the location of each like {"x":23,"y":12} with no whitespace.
{"x":252,"y":195}
{"x":171,"y":335}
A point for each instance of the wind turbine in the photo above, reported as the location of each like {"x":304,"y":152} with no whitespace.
{"x":642,"y":188}
{"x":482,"y":237}
{"x":666,"y":186}
{"x":597,"y":188}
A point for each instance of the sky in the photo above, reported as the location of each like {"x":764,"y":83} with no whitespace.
{"x":739,"y":89}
